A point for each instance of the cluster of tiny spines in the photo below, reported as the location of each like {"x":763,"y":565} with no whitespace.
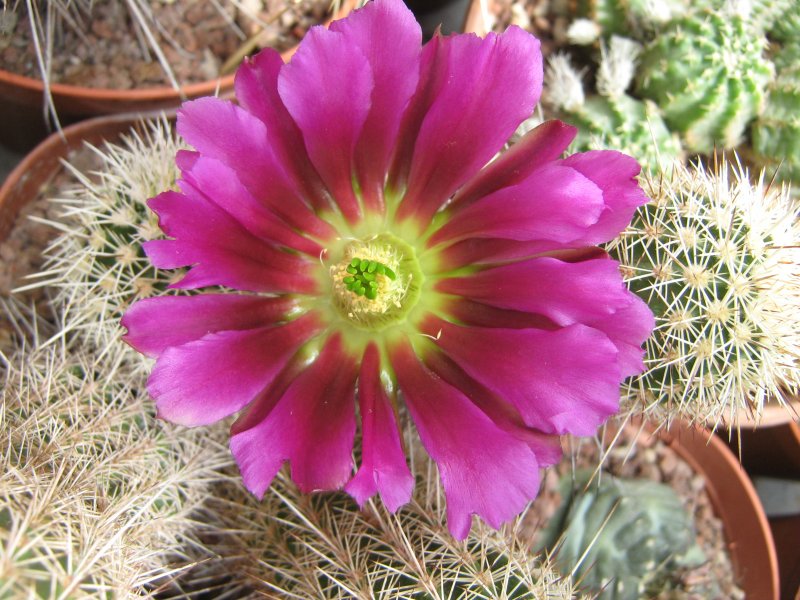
{"x":323,"y":546}
{"x":365,"y":276}
{"x":96,"y":266}
{"x":716,"y":261}
{"x":621,"y":538}
{"x":96,"y":498}
{"x":709,"y":75}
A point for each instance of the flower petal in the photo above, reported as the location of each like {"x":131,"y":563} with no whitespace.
{"x":556,"y":203}
{"x":219,"y":184}
{"x":223,"y":252}
{"x":485,"y":470}
{"x":564,"y":292}
{"x":628,"y":328}
{"x":563,"y":381}
{"x":155,"y":324}
{"x":326,"y":88}
{"x":312,"y":425}
{"x":538,"y":147}
{"x":256,"y":86}
{"x":383,"y":462}
{"x":614,"y":173}
{"x":203,"y":381}
{"x":482,"y":90}
{"x":546,"y":447}
{"x":394,"y":59}
{"x":221,"y":130}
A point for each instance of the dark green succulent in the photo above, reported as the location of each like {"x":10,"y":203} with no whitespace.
{"x":622,"y":538}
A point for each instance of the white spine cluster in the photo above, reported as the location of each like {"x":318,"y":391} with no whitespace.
{"x":717,"y":258}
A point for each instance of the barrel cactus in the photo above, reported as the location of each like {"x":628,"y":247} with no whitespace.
{"x":717,"y":258}
{"x":97,"y":266}
{"x":708,"y":74}
{"x":621,"y":538}
{"x":611,"y":118}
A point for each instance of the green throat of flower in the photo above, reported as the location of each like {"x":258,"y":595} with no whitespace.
{"x":376,"y":282}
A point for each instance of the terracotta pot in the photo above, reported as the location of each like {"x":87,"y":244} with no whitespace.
{"x":23,"y":98}
{"x":23,"y":183}
{"x":736,"y":503}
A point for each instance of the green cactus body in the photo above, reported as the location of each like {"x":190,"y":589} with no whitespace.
{"x":708,"y":75}
{"x":717,"y":260}
{"x":628,"y":125}
{"x":785,"y":26}
{"x":776,"y":134}
{"x":632,"y":18}
{"x":623,"y":537}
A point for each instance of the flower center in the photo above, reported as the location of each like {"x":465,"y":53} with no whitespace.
{"x":377,"y":282}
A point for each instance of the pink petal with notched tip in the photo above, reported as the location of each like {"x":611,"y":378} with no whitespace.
{"x":383,"y":463}
{"x":155,"y":324}
{"x":564,"y":292}
{"x":203,"y":381}
{"x":221,"y":250}
{"x":614,"y":173}
{"x":326,"y":88}
{"x":538,"y":147}
{"x":390,"y":38}
{"x":556,"y":204}
{"x":221,"y":130}
{"x":562,"y":381}
{"x":312,"y":426}
{"x":486,"y":88}
{"x":485,"y":470}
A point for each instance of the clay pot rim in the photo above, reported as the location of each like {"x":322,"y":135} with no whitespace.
{"x":23,"y":183}
{"x":149,"y":94}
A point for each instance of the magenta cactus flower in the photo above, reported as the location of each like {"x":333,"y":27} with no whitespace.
{"x":382,"y":257}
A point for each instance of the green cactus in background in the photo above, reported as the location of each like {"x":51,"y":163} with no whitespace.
{"x":631,"y":18}
{"x":611,"y":118}
{"x":708,"y":74}
{"x":785,"y":27}
{"x":775,"y":135}
{"x":621,"y":538}
{"x":717,"y":259}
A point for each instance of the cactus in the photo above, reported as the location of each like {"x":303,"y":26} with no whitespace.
{"x":708,"y":74}
{"x":634,"y":18}
{"x":97,"y":266}
{"x":292,"y":545}
{"x":786,"y":24}
{"x":611,"y":119}
{"x":717,"y":258}
{"x":96,"y":499}
{"x":622,"y":538}
{"x":775,"y":134}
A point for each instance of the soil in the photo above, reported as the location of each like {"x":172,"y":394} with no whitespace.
{"x":636,"y":455}
{"x":546,"y":19}
{"x":21,"y":253}
{"x":108,"y":48}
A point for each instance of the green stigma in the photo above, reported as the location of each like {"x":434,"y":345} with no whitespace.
{"x":376,"y":282}
{"x":363,"y":278}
